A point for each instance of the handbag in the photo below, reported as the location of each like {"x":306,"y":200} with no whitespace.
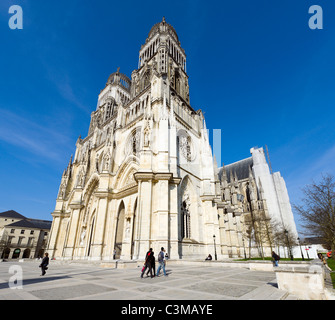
{"x":143,"y":269}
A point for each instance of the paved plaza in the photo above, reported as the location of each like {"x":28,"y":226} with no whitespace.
{"x":73,"y":281}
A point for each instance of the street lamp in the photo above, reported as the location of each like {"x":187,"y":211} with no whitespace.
{"x":307,"y":252}
{"x":245,"y":255}
{"x":216,"y":257}
{"x":288,"y":243}
{"x":302,"y":255}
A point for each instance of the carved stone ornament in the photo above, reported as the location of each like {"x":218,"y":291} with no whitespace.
{"x":133,"y":144}
{"x":130,"y":179}
{"x":146,"y":138}
{"x":62,"y":191}
{"x":82,"y":236}
{"x":81,"y":177}
{"x":185,"y":147}
{"x":106,"y":162}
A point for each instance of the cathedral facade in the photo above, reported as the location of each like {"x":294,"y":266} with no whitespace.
{"x":144,"y":176}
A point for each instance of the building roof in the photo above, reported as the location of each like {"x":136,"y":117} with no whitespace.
{"x":41,"y":224}
{"x":22,"y":223}
{"x":25,"y":222}
{"x":11,"y":214}
{"x":240,"y":168}
{"x":31,"y":224}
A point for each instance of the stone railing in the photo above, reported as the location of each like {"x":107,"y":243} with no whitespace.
{"x":306,"y":281}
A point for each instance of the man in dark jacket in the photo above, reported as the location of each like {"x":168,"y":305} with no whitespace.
{"x":44,"y":264}
{"x":149,"y":259}
{"x":153,"y":265}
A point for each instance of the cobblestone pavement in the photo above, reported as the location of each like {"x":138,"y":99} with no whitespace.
{"x":77,"y":281}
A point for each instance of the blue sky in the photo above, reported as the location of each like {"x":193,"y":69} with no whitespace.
{"x":255,"y":68}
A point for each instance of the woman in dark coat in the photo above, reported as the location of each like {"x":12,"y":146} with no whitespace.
{"x":44,"y":264}
{"x":149,"y":260}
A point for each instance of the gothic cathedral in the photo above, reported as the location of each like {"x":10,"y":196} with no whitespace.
{"x":145,"y":177}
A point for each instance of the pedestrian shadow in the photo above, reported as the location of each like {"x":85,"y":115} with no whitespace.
{"x":273,"y":284}
{"x":26,"y":282}
{"x":168,"y":272}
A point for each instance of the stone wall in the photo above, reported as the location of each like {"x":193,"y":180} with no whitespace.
{"x":307,"y":281}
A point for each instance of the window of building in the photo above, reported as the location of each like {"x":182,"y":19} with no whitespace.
{"x":10,"y":238}
{"x":20,"y":241}
{"x":30,"y":241}
{"x":12,"y":230}
{"x":32,"y":232}
{"x":22,"y":231}
{"x":186,"y":222}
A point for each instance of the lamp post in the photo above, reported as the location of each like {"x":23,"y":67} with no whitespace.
{"x":307,"y":252}
{"x":302,"y":255}
{"x":216,"y":257}
{"x":245,"y":255}
{"x":288,"y":243}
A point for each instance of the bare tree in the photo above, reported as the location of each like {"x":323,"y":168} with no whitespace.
{"x":252,"y":233}
{"x":259,"y":231}
{"x":318,"y":210}
{"x":283,"y":237}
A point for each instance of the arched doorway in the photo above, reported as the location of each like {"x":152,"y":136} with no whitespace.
{"x":5,"y":253}
{"x":119,"y":231}
{"x":41,"y":253}
{"x":26,"y":253}
{"x":16,"y":253}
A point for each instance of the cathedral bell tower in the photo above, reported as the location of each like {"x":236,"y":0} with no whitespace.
{"x":162,"y":54}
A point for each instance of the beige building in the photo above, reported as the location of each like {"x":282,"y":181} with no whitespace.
{"x":21,"y":237}
{"x":144,"y":176}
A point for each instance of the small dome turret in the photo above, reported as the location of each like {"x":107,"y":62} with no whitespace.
{"x":163,"y":27}
{"x":118,"y":78}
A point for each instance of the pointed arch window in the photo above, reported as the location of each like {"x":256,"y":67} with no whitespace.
{"x":186,"y":217}
{"x":108,"y":110}
{"x":133,"y":143}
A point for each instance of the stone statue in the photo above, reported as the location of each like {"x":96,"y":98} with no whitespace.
{"x":106,"y":164}
{"x":62,"y":191}
{"x":80,"y":179}
{"x":146,"y":138}
{"x":82,"y":236}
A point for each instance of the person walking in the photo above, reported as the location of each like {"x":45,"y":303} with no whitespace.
{"x":166,"y":258}
{"x":148,"y":263}
{"x":153,"y":265}
{"x":44,"y":264}
{"x":275,"y":258}
{"x":161,"y":262}
{"x":209,"y":257}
